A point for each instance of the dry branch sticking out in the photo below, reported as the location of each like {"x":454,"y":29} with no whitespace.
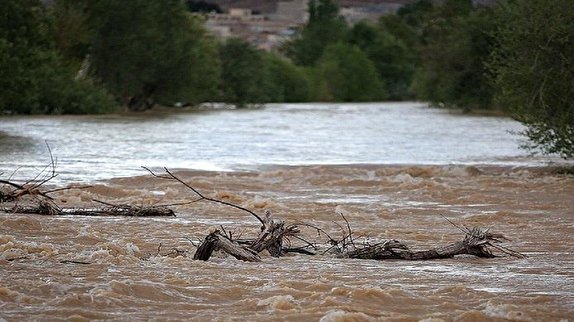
{"x":271,"y":236}
{"x":42,"y":204}
{"x":170,"y":176}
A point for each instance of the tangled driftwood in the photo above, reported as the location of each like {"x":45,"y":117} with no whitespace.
{"x":273,"y":234}
{"x":274,"y":237}
{"x":40,"y":202}
{"x":476,"y":242}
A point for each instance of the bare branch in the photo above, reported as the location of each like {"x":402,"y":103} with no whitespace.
{"x":171,"y":176}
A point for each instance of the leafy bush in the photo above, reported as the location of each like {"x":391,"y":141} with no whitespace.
{"x":533,"y":70}
{"x":349,"y":75}
{"x":456,"y":44}
{"x":242,"y":73}
{"x":34,"y":78}
{"x":285,"y":82}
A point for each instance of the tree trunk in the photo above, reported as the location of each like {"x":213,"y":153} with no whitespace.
{"x":46,"y":208}
{"x":270,"y":237}
{"x":217,"y":241}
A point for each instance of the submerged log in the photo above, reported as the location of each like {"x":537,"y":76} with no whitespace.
{"x":476,"y":242}
{"x":217,"y":241}
{"x":207,"y":247}
{"x":49,"y":209}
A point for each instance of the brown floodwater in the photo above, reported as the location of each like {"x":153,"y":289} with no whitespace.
{"x":68,"y":268}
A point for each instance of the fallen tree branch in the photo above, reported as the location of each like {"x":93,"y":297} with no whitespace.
{"x":271,"y":236}
{"x":21,"y":190}
{"x":217,"y":241}
{"x":476,"y":242}
{"x":48,"y":209}
{"x":171,"y":176}
{"x":32,"y":186}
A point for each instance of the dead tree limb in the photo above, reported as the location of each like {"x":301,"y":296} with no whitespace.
{"x":217,"y":241}
{"x":31,"y":186}
{"x":171,"y":176}
{"x":21,"y":190}
{"x":49,"y":209}
{"x":476,"y":242}
{"x":271,"y":236}
{"x":43,"y":204}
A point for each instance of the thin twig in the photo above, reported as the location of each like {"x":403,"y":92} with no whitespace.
{"x":74,"y":262}
{"x":319,"y":230}
{"x":508,"y":251}
{"x":202,"y":197}
{"x":464,"y":230}
{"x":309,"y":244}
{"x":111,"y":204}
{"x":349,"y":228}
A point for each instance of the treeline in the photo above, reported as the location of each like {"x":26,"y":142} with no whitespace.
{"x":81,"y":56}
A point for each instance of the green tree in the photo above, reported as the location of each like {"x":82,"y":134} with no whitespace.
{"x":456,"y":45}
{"x":318,"y":89}
{"x":414,"y":14}
{"x":325,"y":27}
{"x":71,"y":31}
{"x":392,"y":58}
{"x":205,"y":71}
{"x":534,"y":72}
{"x":397,"y":27}
{"x":349,"y":75}
{"x":285,"y":82}
{"x":148,"y":51}
{"x":242,"y":74}
{"x":33,"y":77}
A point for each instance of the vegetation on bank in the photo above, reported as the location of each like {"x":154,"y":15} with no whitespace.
{"x":80,"y":56}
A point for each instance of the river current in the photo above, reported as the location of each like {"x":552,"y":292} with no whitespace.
{"x":96,"y":147}
{"x":397,"y":171}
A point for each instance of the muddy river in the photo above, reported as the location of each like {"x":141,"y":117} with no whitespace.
{"x":74,"y":268}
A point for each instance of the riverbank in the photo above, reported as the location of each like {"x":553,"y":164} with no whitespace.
{"x":129,"y":270}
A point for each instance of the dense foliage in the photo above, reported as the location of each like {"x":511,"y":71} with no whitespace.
{"x":242,"y":77}
{"x":325,"y":27}
{"x":391,"y":56}
{"x":34,"y":77}
{"x":83,"y":56}
{"x":285,"y":81}
{"x":148,"y":51}
{"x":456,"y":44}
{"x":349,"y":74}
{"x":534,"y":72}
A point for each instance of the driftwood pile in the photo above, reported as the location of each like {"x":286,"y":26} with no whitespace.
{"x":39,"y":201}
{"x":275,"y":236}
